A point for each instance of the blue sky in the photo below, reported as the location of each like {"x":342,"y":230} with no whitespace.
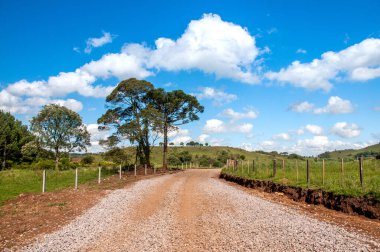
{"x":295,"y":76}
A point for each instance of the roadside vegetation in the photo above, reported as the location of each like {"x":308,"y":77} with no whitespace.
{"x":335,"y":178}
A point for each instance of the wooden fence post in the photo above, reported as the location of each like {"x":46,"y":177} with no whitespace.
{"x":248,"y":167}
{"x":76,"y":179}
{"x":43,"y":181}
{"x":135,"y":170}
{"x":145,"y":169}
{"x":361,"y":170}
{"x":283,"y":166}
{"x":274,"y":168}
{"x":297,"y":169}
{"x":253,"y":166}
{"x":308,"y":172}
{"x":120,"y":172}
{"x":100,"y":174}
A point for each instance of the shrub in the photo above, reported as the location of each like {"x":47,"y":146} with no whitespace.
{"x":44,"y":164}
{"x":87,"y":160}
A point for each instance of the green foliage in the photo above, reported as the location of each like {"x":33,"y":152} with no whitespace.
{"x":131,"y":115}
{"x":13,"y":136}
{"x":174,"y":108}
{"x":44,"y":165}
{"x":174,"y":160}
{"x":60,"y":129}
{"x":294,"y":173}
{"x":116,"y":155}
{"x":87,"y":160}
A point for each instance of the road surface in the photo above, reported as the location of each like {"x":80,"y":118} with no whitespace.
{"x":196,"y":211}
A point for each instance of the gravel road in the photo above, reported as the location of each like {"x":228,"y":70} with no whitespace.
{"x":195,"y":211}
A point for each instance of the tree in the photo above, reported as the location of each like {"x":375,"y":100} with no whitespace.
{"x":60,"y":129}
{"x":176,"y":108}
{"x":131,"y":115}
{"x":13,"y":135}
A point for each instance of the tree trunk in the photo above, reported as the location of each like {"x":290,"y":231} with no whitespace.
{"x":56,"y":159}
{"x":165,"y":152}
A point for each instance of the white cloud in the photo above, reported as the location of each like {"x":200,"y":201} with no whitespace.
{"x":346,"y":130}
{"x":212,"y":46}
{"x":209,"y":44}
{"x":120,"y":65}
{"x":219,"y":97}
{"x":98,"y":42}
{"x":214,"y":126}
{"x":335,"y":105}
{"x":314,"y":129}
{"x":302,"y":107}
{"x":218,"y":126}
{"x":31,"y":105}
{"x":272,"y":30}
{"x":234,"y":116}
{"x":179,"y":135}
{"x":76,"y":49}
{"x":359,"y":62}
{"x":301,"y":51}
{"x":282,"y":136}
{"x":96,"y":135}
{"x":202,"y":138}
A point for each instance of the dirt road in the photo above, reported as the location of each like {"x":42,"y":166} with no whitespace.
{"x":195,"y":211}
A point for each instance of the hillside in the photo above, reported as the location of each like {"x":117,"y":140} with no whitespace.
{"x":211,"y":152}
{"x":350,"y":154}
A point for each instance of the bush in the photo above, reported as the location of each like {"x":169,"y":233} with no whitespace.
{"x":174,"y":160}
{"x":184,"y":156}
{"x":107,"y":164}
{"x":44,"y":164}
{"x":87,"y":160}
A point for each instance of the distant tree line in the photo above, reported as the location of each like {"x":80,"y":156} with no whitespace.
{"x":136,"y":111}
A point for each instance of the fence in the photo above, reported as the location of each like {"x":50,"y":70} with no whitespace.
{"x":359,"y":177}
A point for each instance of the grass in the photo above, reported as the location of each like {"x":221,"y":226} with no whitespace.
{"x":346,"y":182}
{"x":14,"y":182}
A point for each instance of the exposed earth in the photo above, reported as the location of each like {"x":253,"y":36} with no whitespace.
{"x":186,"y":211}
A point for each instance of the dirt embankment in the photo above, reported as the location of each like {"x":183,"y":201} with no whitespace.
{"x":369,"y":207}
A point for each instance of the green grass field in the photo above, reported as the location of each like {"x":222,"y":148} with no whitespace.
{"x":14,"y":182}
{"x":346,"y":182}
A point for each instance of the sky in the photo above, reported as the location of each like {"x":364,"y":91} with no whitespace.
{"x":289,"y":76}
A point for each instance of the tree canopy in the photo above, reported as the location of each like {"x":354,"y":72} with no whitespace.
{"x":13,"y":136}
{"x":60,"y":129}
{"x":133,"y":118}
{"x":176,"y":108}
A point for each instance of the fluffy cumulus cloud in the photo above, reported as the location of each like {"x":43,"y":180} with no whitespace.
{"x":203,"y":138}
{"x":314,"y":129}
{"x":359,"y":62}
{"x":309,"y":146}
{"x":219,"y":97}
{"x":31,"y":105}
{"x":212,"y":46}
{"x":283,"y":137}
{"x":98,"y":42}
{"x":234,"y":116}
{"x":346,"y":130}
{"x":179,"y":136}
{"x":96,"y":135}
{"x":209,"y":44}
{"x":335,"y":105}
{"x":218,"y":126}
